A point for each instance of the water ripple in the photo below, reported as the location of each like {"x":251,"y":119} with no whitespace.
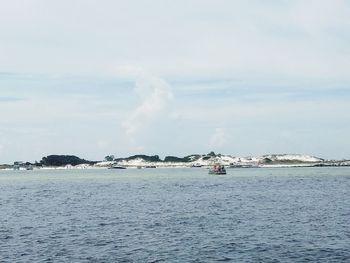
{"x":176,"y":216}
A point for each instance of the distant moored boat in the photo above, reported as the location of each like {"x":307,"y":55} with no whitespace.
{"x":196,"y":165}
{"x":117,"y":167}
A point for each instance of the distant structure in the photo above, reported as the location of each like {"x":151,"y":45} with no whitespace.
{"x":22,"y":166}
{"x":17,"y":165}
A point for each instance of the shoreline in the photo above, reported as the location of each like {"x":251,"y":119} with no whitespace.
{"x":151,"y":166}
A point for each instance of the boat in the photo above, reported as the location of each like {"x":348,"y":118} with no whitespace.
{"x":29,"y":167}
{"x":196,"y":165}
{"x":117,"y":167}
{"x":217,"y":169}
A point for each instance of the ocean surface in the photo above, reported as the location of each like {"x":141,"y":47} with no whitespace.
{"x":175,"y":215}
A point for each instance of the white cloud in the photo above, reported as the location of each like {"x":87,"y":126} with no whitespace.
{"x":155,"y":96}
{"x":219,"y":138}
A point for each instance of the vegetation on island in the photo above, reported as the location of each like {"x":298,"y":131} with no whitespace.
{"x":62,"y":160}
{"x":109,"y":158}
{"x":5,"y":166}
{"x":147,"y":158}
{"x":186,"y":159}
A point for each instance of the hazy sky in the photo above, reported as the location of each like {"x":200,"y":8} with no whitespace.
{"x":164,"y":77}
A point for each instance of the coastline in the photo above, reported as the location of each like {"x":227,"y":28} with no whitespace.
{"x":63,"y":162}
{"x":174,"y":166}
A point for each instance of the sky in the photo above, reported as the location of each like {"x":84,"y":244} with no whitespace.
{"x":94,"y":78}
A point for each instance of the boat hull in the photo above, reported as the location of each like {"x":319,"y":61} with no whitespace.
{"x":210,"y":172}
{"x":117,"y":167}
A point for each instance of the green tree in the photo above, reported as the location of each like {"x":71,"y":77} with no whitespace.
{"x":109,"y":158}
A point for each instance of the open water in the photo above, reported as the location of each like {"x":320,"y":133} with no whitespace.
{"x":175,"y":215}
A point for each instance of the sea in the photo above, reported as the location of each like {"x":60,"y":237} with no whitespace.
{"x":175,"y":215}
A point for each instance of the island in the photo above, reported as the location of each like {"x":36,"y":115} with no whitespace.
{"x":189,"y":161}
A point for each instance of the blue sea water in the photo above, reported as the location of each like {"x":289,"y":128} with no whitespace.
{"x":175,"y":215}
